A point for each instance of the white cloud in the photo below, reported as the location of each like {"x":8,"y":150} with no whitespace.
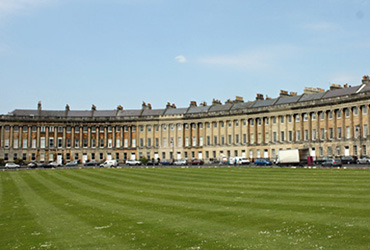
{"x":8,"y":7}
{"x":352,"y":79}
{"x":181,"y":59}
{"x":322,"y":27}
{"x":257,"y":59}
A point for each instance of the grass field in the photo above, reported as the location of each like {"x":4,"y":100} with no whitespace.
{"x":191,"y":208}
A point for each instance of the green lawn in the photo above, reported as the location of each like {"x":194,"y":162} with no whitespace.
{"x":185,"y":208}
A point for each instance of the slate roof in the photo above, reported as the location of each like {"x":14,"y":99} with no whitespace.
{"x":286,"y":100}
{"x":311,"y":97}
{"x":176,"y":111}
{"x":218,"y":107}
{"x":198,"y":109}
{"x":341,"y":92}
{"x":242,"y":105}
{"x":264,"y":103}
{"x":192,"y":110}
{"x":153,"y":112}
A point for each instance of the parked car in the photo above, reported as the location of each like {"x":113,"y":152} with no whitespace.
{"x":349,"y":159}
{"x":363,"y":160}
{"x":180,"y":162}
{"x":72,"y":164}
{"x":152,"y":163}
{"x":332,"y":163}
{"x":166,"y":162}
{"x":55,"y":164}
{"x":319,"y":161}
{"x":92,"y":163}
{"x":33,"y":164}
{"x":12,"y":165}
{"x":196,"y":162}
{"x":109,"y":164}
{"x":133,"y":162}
{"x":262,"y":162}
{"x":46,"y":165}
{"x":238,"y":161}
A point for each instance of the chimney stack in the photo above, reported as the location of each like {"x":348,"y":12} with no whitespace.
{"x":365,"y":80}
{"x":216,"y":102}
{"x":284,"y":93}
{"x":336,"y":86}
{"x":259,"y":97}
{"x":239,"y":99}
{"x":193,"y":104}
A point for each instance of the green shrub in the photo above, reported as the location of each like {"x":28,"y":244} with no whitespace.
{"x":143,"y":160}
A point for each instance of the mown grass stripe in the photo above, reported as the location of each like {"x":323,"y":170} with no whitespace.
{"x":242,"y":197}
{"x":110,"y":206}
{"x":222,"y":200}
{"x":65,"y":230}
{"x":255,"y":189}
{"x":329,"y":224}
{"x":324,"y":184}
{"x":268,"y":174}
{"x":19,"y":228}
{"x":209,"y":217}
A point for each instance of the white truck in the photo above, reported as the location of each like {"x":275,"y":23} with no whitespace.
{"x":109,"y":164}
{"x":238,"y":161}
{"x":293,"y":157}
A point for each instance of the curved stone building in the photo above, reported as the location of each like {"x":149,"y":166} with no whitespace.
{"x":329,"y":123}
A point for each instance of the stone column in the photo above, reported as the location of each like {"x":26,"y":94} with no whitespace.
{"x":37,"y":136}
{"x":105,"y":136}
{"x":129,"y":136}
{"x":270,"y":129}
{"x":361,"y":122}
{"x":114,"y":137}
{"x":326,"y":120}
{"x":11,"y":136}
{"x":335,"y":120}
{"x":47,"y":144}
{"x":343,"y":117}
{"x":1,"y":136}
{"x":219,"y":133}
{"x":121,"y":135}
{"x":29,"y":142}
{"x":20,"y":141}
{"x":256,"y":142}
{"x":89,"y":137}
{"x":64,"y":137}
{"x":309,"y":114}
{"x":318,"y":138}
{"x":278,"y":128}
{"x":248,"y":131}
{"x":351,"y":127}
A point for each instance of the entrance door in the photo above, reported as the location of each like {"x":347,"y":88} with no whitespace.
{"x":200,"y":155}
{"x":346,"y":151}
{"x":84,"y":158}
{"x":109,"y":156}
{"x":313,"y":153}
{"x":266,"y":154}
{"x":133,"y":156}
{"x":178,"y":156}
{"x":59,"y":158}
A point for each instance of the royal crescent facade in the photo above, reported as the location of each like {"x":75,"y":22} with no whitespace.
{"x":329,"y":123}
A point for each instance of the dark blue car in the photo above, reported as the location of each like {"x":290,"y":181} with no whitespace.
{"x":262,"y":162}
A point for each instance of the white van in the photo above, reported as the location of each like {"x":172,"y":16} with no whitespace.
{"x":109,"y":164}
{"x":238,"y":161}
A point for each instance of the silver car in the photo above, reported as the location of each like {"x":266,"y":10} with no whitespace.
{"x":12,"y":165}
{"x":363,"y":160}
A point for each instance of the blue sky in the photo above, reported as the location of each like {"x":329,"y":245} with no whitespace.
{"x":123,"y":52}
